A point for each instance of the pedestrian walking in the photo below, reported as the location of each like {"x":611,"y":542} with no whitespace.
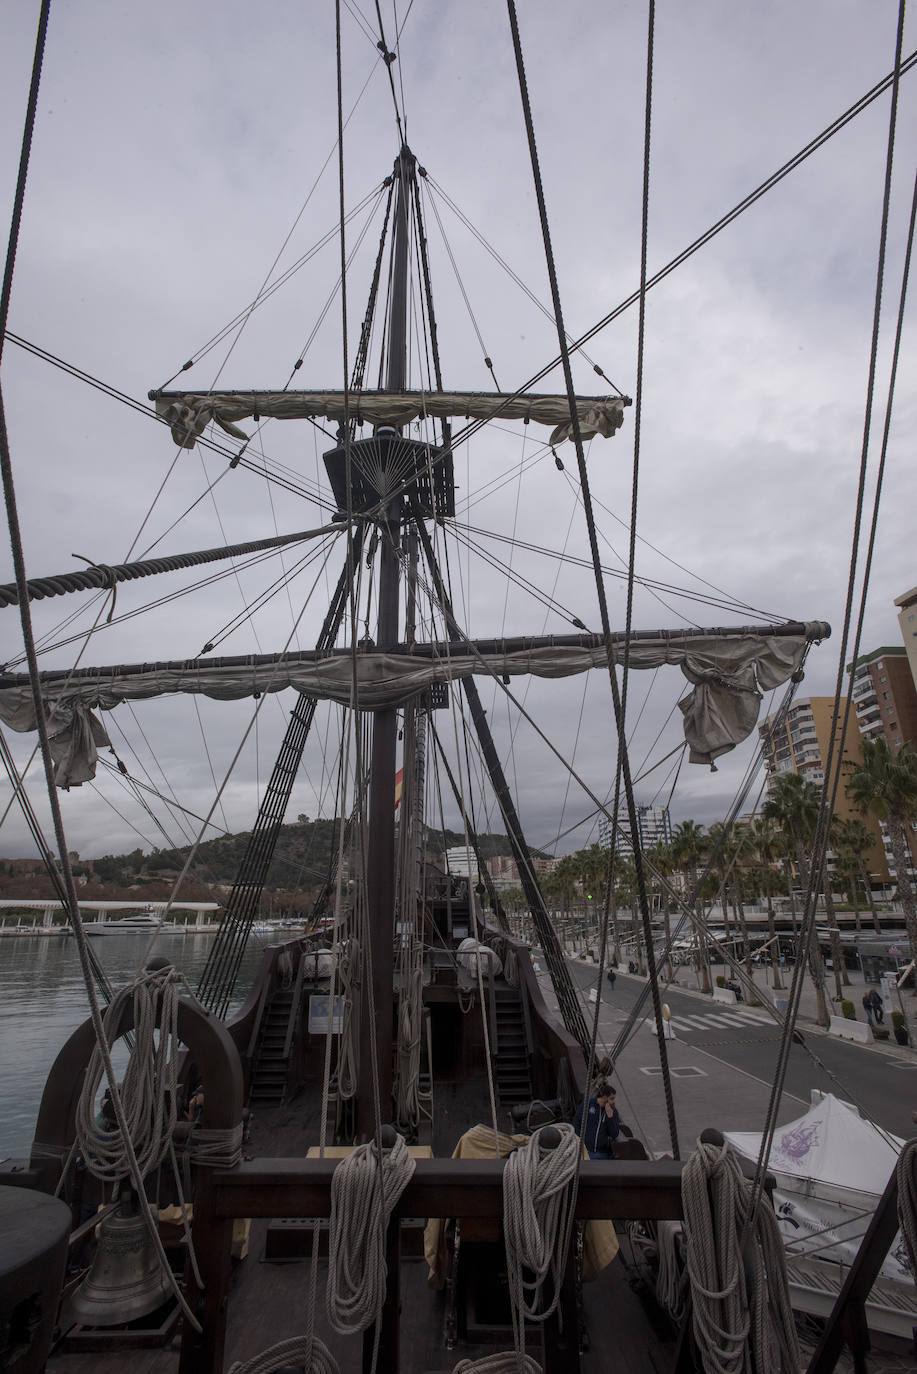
{"x":873,"y":1006}
{"x":610,"y":975}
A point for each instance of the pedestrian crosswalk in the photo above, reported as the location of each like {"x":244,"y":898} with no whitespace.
{"x":720,"y":1020}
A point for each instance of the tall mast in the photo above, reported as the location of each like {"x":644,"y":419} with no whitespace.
{"x":376,"y":1020}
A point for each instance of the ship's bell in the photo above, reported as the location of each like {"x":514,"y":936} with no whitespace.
{"x":126,"y":1280}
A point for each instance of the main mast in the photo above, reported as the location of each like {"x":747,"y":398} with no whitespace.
{"x":376,"y":1019}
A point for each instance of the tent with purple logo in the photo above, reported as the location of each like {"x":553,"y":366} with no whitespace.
{"x":831,"y":1167}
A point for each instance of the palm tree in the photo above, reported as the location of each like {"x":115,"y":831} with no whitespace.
{"x":853,"y":841}
{"x":885,"y":785}
{"x":741,"y":847}
{"x":765,"y":840}
{"x":793,"y":803}
{"x":660,"y":863}
{"x":688,"y":847}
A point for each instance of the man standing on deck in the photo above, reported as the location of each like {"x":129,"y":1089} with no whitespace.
{"x":603,"y":1124}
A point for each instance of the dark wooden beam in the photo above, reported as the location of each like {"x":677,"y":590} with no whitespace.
{"x":621,"y":1190}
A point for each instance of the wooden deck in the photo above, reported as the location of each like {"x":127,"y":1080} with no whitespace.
{"x":268,"y":1302}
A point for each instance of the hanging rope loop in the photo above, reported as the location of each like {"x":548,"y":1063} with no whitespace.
{"x":736,"y":1265}
{"x":149,"y":1090}
{"x":364,"y":1191}
{"x":537,"y":1217}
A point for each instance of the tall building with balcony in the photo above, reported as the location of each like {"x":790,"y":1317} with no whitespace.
{"x":654,"y":826}
{"x":884,"y":697}
{"x":800,"y":744}
{"x":885,"y":701}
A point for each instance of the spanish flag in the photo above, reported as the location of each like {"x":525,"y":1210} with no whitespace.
{"x":399,"y":785}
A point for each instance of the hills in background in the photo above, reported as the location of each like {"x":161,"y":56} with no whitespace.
{"x":303,"y":859}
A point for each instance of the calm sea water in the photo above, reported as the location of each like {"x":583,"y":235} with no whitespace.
{"x":43,"y":999}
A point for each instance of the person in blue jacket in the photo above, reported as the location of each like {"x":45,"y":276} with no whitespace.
{"x":603,"y":1125}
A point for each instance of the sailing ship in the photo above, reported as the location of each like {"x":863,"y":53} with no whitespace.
{"x":416,"y":1008}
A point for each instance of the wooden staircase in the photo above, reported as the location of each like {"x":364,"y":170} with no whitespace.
{"x":512,"y":1063}
{"x":269,"y":1067}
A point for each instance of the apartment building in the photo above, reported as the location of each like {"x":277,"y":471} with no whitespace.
{"x":884,"y":697}
{"x":461,"y":862}
{"x":885,"y":701}
{"x":654,"y":826}
{"x":800,"y":743}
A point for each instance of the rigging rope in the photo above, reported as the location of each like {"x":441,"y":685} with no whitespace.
{"x":617,"y":702}
{"x":836,"y":741}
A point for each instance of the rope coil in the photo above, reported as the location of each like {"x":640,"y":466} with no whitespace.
{"x":149,"y":1091}
{"x":364,"y":1191}
{"x":320,"y":1359}
{"x":736,"y":1265}
{"x":537,"y":1217}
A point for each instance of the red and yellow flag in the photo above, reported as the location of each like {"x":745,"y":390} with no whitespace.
{"x":399,"y":787}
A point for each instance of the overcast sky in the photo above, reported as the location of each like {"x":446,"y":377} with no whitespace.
{"x":174,"y":151}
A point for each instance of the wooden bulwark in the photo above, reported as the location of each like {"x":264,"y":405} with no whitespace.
{"x":620,"y":1189}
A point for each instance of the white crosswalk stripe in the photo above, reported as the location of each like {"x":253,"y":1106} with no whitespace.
{"x":707,"y":1021}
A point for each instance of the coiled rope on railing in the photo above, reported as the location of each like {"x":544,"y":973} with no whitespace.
{"x":538,"y":1202}
{"x":737,"y":1270}
{"x":906,"y":1171}
{"x":149,"y":1090}
{"x":537,"y":1217}
{"x":364,"y":1191}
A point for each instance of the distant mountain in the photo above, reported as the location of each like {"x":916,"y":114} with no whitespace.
{"x":303,"y":859}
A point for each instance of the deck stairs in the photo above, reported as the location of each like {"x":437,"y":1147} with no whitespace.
{"x":269,"y":1068}
{"x":512,"y":1056}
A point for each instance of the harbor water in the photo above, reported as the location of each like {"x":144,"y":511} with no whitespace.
{"x":43,"y":999}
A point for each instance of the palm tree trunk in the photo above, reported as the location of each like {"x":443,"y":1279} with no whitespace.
{"x":638,"y":935}
{"x":667,"y":918}
{"x":615,"y":935}
{"x":855,"y":895}
{"x":837,"y":960}
{"x":788,"y":871}
{"x":900,"y":853}
{"x":816,"y":963}
{"x":774,"y":945}
{"x":867,"y":888}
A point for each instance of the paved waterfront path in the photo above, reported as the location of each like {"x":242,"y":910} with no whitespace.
{"x":723,"y":1062}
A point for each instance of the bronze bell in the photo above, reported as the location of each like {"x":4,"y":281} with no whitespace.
{"x":126,"y":1280}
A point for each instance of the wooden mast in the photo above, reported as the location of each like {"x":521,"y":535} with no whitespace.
{"x":377,"y":1015}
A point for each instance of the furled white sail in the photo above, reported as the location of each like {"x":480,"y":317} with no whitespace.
{"x":728,"y":676}
{"x":189,"y":413}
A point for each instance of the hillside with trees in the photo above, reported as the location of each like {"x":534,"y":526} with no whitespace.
{"x":303,"y":859}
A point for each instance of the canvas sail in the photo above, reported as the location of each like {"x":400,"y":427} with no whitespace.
{"x":728,"y":674}
{"x":189,"y":413}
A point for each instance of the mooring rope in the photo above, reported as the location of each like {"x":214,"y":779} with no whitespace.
{"x":360,"y":1211}
{"x":742,"y":1315}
